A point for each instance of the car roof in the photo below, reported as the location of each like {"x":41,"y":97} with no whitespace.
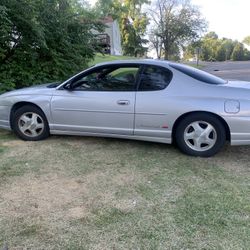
{"x":136,"y":61}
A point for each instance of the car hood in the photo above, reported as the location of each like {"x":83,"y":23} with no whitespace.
{"x":43,"y":89}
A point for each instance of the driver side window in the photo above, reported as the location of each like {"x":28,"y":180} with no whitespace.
{"x":112,"y":78}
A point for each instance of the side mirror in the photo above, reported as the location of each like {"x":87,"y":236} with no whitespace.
{"x":72,"y":85}
{"x":68,"y":86}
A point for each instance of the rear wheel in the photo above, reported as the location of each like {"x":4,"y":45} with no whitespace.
{"x":30,"y":124}
{"x":200,"y":135}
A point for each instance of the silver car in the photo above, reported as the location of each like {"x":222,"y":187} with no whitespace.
{"x":149,"y":100}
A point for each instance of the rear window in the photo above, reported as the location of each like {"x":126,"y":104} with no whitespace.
{"x":198,"y":74}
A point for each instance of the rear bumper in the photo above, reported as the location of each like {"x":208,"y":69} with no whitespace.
{"x":240,"y":139}
{"x":239,"y":129}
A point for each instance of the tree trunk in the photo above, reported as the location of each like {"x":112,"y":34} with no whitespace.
{"x":166,"y":48}
{"x":166,"y":57}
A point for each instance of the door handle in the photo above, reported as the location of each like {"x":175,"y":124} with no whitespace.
{"x":123,"y":102}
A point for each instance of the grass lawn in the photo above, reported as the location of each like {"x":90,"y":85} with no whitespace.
{"x":99,"y":58}
{"x":95,"y":193}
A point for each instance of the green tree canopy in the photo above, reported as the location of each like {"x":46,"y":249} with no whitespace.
{"x":247,"y":40}
{"x":238,"y":52}
{"x":44,"y":40}
{"x":215,"y":49}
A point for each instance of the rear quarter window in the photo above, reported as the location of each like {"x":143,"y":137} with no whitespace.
{"x":198,"y":74}
{"x":155,"y":78}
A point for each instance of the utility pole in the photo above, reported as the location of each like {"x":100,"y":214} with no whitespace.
{"x":197,"y":52}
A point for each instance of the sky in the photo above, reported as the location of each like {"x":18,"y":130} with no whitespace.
{"x":228,"y":18}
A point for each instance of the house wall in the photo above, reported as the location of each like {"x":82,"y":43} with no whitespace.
{"x":115,"y":37}
{"x":117,"y":48}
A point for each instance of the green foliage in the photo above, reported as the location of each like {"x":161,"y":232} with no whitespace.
{"x":247,"y":40}
{"x":228,"y":46}
{"x":222,"y":49}
{"x":221,"y":53}
{"x":215,"y":49}
{"x":238,"y":52}
{"x":44,"y":40}
{"x":5,"y":30}
{"x":246,"y":54}
{"x":211,"y":35}
{"x":106,"y":7}
{"x":210,"y":45}
{"x":133,"y":23}
{"x":133,"y":28}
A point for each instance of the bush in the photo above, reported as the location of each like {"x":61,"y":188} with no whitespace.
{"x":42,"y":41}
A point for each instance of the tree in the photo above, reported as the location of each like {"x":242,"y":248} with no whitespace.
{"x":210,"y":45}
{"x":176,"y":22}
{"x":132,"y":21}
{"x":228,"y":45}
{"x":224,"y":49}
{"x":238,"y":52}
{"x":211,"y":35}
{"x":246,"y":54}
{"x":221,"y":53}
{"x":107,"y":8}
{"x":44,"y":40}
{"x":213,"y":48}
{"x":133,"y":28}
{"x":5,"y":31}
{"x":247,"y":40}
{"x":246,"y":51}
{"x":156,"y":42}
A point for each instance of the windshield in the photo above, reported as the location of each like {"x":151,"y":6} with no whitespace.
{"x":198,"y":74}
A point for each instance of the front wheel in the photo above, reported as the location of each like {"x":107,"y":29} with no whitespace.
{"x":30,"y":124}
{"x":200,"y":135}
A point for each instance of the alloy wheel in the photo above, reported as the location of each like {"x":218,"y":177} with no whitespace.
{"x":31,"y":124}
{"x":200,"y":136}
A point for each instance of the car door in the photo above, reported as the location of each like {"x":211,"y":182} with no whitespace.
{"x":100,"y":101}
{"x":152,"y":106}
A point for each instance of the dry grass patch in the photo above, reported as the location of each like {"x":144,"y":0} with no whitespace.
{"x":95,"y":193}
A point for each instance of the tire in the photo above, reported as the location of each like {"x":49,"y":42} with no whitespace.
{"x":30,"y":124}
{"x":200,"y":135}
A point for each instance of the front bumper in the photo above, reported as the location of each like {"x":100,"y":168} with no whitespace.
{"x":5,"y":124}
